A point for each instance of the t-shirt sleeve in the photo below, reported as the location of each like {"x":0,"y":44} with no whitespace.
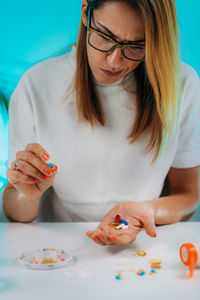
{"x":21,"y":121}
{"x":188,"y":149}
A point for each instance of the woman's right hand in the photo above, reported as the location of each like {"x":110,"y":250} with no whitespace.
{"x":29,"y":173}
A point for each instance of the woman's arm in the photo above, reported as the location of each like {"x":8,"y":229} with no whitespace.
{"x":183,"y":197}
{"x":28,"y":180}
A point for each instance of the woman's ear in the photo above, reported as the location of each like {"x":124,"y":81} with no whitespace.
{"x":84,"y":10}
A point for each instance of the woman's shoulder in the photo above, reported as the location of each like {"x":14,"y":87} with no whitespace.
{"x":189,"y":76}
{"x":53,"y":69}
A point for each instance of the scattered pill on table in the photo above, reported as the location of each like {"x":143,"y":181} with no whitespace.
{"x":140,"y":272}
{"x":140,"y":253}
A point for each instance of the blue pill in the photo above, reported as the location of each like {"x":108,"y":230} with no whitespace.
{"x":142,"y":273}
{"x":123,"y":221}
{"x":117,"y":277}
{"x":51,"y":165}
{"x":153,"y":271}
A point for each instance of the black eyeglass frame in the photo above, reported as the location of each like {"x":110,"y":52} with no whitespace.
{"x":121,"y":45}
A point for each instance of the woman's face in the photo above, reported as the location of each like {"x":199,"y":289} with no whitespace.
{"x":125,"y":24}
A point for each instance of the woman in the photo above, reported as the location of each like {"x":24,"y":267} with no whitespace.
{"x":130,"y":121}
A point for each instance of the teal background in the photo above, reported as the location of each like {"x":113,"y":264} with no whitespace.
{"x":31,"y":31}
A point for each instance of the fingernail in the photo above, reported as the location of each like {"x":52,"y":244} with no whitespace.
{"x":94,"y":239}
{"x":56,"y":168}
{"x":44,"y":177}
{"x":88,"y":234}
{"x":45,"y":156}
{"x":48,"y":171}
{"x":113,"y":238}
{"x":155,"y":235}
{"x":101,"y":236}
{"x":35,"y":180}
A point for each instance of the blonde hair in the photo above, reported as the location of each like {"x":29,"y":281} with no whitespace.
{"x":157,"y":78}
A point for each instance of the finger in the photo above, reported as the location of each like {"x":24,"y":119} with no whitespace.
{"x":38,"y":150}
{"x":97,"y":240}
{"x":149,"y":225}
{"x":89,"y":233}
{"x":102,"y":236}
{"x":35,"y":161}
{"x":17,"y":177}
{"x":29,"y":170}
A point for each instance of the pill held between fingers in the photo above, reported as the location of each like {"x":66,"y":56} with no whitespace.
{"x":50,"y":165}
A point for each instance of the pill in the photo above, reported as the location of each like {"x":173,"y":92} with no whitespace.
{"x":153,"y":271}
{"x":114,"y":224}
{"x":140,"y":253}
{"x":155,"y":261}
{"x":140,"y":271}
{"x":124,"y":261}
{"x":117,"y":277}
{"x":117,"y":218}
{"x":124,"y":226}
{"x":155,"y":266}
{"x":119,"y":226}
{"x":123,"y":221}
{"x":50,"y":165}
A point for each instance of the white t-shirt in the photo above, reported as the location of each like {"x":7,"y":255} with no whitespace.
{"x":97,"y":168}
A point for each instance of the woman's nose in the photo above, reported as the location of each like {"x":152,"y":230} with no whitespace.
{"x":115,"y":58}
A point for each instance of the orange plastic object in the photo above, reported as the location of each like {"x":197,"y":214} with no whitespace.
{"x":189,"y":256}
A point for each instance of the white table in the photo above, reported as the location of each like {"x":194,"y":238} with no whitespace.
{"x":172,"y":281}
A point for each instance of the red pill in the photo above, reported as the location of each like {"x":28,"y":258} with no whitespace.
{"x":117,"y":218}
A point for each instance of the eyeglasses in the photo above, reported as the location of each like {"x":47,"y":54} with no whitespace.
{"x":105,"y":43}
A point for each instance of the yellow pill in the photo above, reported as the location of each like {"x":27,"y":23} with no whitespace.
{"x":155,"y":261}
{"x":140,"y":253}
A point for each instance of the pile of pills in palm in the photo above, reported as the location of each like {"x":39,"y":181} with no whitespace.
{"x":119,"y":223}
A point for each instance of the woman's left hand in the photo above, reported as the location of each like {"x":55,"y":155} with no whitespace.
{"x":138,"y":215}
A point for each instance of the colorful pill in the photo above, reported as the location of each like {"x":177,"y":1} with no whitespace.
{"x":140,"y":271}
{"x":117,"y":277}
{"x":50,"y":165}
{"x":117,"y":219}
{"x":140,"y":253}
{"x":156,"y":266}
{"x":155,"y":261}
{"x":123,"y":221}
{"x":153,"y":271}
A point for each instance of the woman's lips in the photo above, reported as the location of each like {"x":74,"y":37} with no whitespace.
{"x":111,"y":74}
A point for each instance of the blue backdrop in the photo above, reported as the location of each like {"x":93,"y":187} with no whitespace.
{"x":31,"y":31}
